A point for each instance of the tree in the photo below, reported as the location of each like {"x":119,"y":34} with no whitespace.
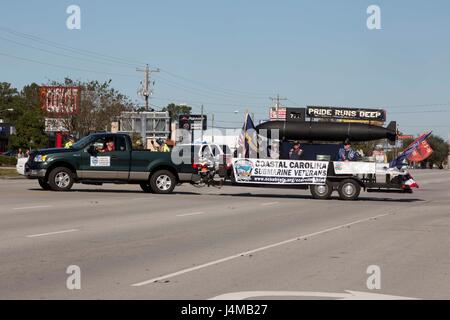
{"x":9,"y":98}
{"x":28,"y":120}
{"x":29,"y":131}
{"x":100,"y":104}
{"x":440,"y":151}
{"x":176,"y":110}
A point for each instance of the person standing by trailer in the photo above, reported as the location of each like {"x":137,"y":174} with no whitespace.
{"x":347,"y":153}
{"x":296,"y":152}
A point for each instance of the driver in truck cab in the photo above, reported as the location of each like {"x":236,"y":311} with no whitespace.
{"x":108,"y":147}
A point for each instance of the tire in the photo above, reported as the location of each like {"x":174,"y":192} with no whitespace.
{"x":321,"y":191}
{"x":60,"y":179}
{"x":349,"y":189}
{"x":162,"y":181}
{"x":145,"y":187}
{"x":44,"y":184}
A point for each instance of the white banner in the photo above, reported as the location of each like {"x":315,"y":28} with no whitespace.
{"x":353,"y":167}
{"x":100,"y":161}
{"x":267,"y":171}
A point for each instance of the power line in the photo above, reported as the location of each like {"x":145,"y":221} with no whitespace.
{"x":70,"y":48}
{"x":228,"y":91}
{"x":277,"y":101}
{"x":65,"y":67}
{"x":60,"y":54}
{"x":197,"y":91}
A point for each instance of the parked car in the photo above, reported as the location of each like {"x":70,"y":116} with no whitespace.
{"x":10,"y":153}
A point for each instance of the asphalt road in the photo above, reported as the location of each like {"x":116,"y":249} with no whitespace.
{"x":202,"y":243}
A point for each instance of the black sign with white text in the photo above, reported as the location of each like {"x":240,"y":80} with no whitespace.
{"x":295,"y":114}
{"x":346,"y":113}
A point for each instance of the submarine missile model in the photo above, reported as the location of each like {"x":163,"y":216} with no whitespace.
{"x":330,"y":131}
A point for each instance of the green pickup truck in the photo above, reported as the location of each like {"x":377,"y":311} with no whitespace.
{"x":107,"y":158}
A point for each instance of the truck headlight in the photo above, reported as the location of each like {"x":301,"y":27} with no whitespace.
{"x":40,"y":158}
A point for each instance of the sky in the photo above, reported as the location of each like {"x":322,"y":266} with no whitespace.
{"x":231,"y":56}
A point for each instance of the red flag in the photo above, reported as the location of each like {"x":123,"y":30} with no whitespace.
{"x":422,"y":152}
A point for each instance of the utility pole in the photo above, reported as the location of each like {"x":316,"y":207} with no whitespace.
{"x":212,"y":128}
{"x":277,"y":103}
{"x":145,"y":90}
{"x":201,"y":139}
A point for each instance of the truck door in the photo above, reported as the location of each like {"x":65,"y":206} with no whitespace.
{"x":110,"y":162}
{"x":121,"y":157}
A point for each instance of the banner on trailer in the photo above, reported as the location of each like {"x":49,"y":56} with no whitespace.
{"x":268,"y":171}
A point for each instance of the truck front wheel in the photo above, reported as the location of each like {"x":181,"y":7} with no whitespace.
{"x":44,"y":184}
{"x":322,"y":191}
{"x":60,"y":179}
{"x":145,"y":187}
{"x":162,"y":181}
{"x":349,"y":189}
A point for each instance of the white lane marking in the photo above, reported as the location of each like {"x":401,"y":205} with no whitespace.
{"x":350,"y":295}
{"x":269,"y":203}
{"x":33,"y":207}
{"x":270,"y":246}
{"x":51,"y":233}
{"x":190,"y":214}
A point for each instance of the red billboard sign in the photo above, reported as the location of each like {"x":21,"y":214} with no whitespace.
{"x":60,"y":100}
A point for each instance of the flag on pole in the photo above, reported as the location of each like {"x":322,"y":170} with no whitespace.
{"x":398,"y":162}
{"x":422,"y":152}
{"x":248,"y":144}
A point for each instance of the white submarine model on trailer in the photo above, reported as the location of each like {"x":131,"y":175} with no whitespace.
{"x":330,"y":131}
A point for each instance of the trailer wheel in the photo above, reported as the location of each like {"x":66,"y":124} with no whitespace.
{"x":349,"y":189}
{"x":60,"y":179}
{"x":323,"y":191}
{"x":162,"y":181}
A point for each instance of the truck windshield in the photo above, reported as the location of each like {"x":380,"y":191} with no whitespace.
{"x":81,"y":143}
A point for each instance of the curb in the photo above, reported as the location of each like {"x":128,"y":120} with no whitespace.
{"x":11,"y":177}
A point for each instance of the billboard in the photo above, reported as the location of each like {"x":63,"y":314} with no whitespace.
{"x":295,"y":114}
{"x":277,"y":114}
{"x":60,"y":100}
{"x":192,"y":122}
{"x":346,"y":113}
{"x":55,"y":125}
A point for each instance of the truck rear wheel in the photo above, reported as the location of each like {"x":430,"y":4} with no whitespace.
{"x":349,"y":189}
{"x":44,"y":184}
{"x":162,"y":181}
{"x":323,"y":191}
{"x":60,"y":179}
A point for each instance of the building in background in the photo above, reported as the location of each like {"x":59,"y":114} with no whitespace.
{"x":149,"y":125}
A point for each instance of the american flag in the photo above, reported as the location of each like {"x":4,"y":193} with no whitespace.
{"x":247,"y":138}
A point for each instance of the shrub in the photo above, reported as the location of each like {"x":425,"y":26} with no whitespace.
{"x":8,"y":161}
